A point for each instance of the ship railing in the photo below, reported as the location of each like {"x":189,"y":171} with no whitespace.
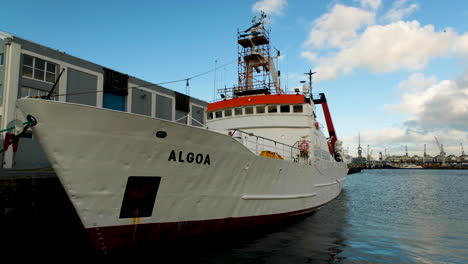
{"x":267,"y":147}
{"x":194,"y":121}
{"x":229,"y":93}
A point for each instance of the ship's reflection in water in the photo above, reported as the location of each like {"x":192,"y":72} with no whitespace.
{"x":314,"y":239}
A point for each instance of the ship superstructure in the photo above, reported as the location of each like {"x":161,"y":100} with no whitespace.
{"x":258,"y":105}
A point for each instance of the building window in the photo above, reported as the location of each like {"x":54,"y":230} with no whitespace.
{"x":297,"y":109}
{"x":39,"y":69}
{"x":227,"y":112}
{"x":285,"y":109}
{"x":50,"y":72}
{"x":114,"y":101}
{"x":28,"y":91}
{"x":164,"y":107}
{"x":115,"y":82}
{"x":198,"y":116}
{"x":1,"y":58}
{"x":260,"y":109}
{"x":272,"y":109}
{"x":182,"y":102}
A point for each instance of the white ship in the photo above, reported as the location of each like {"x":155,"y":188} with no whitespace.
{"x":133,"y":179}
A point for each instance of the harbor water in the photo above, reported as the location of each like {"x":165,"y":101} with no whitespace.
{"x":382,"y":216}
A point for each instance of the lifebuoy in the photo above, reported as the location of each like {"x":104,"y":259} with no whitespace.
{"x":316,"y":124}
{"x":304,"y":145}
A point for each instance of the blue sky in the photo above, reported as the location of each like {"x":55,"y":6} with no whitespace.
{"x":395,"y":71}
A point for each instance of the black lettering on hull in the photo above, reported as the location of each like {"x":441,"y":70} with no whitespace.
{"x":172,"y":156}
{"x":191,"y":157}
{"x":207,"y":160}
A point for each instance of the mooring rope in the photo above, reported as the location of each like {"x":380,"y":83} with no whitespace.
{"x":11,"y":128}
{"x":30,"y":123}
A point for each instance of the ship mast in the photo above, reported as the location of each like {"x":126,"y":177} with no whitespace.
{"x":257,"y":70}
{"x":310,"y":73}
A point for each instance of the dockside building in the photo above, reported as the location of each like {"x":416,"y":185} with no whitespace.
{"x":31,"y":69}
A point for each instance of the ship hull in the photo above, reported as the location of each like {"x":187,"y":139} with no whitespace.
{"x":147,"y":235}
{"x":204,"y":181}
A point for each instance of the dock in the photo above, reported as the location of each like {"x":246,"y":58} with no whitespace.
{"x":37,"y":217}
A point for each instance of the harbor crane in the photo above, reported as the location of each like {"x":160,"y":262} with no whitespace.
{"x":442,"y":152}
{"x":368,"y":153}
{"x":424,"y":154}
{"x":359,"y":150}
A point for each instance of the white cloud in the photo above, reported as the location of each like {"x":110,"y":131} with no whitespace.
{"x":309,"y":55}
{"x":434,"y":110}
{"x":272,"y":7}
{"x":347,"y":38}
{"x":296,"y":78}
{"x":399,"y":10}
{"x":339,"y":27}
{"x":461,"y":44}
{"x":399,"y":45}
{"x":442,"y":105}
{"x":372,"y":4}
{"x":416,"y":82}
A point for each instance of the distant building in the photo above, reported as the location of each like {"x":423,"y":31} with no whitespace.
{"x":30,"y":69}
{"x":398,"y":159}
{"x":463,"y":159}
{"x":439,"y":159}
{"x":416,"y":159}
{"x":451,"y":159}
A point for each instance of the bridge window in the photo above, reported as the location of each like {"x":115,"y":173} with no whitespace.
{"x":297,"y":109}
{"x":209,"y":116}
{"x":285,"y":109}
{"x":249,"y":110}
{"x":272,"y":109}
{"x":227,"y":112}
{"x":218,"y":114}
{"x":260,"y":109}
{"x":238,"y":111}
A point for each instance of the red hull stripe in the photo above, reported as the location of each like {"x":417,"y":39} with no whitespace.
{"x":258,"y":100}
{"x":132,"y":236}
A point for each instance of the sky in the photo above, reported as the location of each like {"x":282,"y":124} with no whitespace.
{"x":395,"y":72}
